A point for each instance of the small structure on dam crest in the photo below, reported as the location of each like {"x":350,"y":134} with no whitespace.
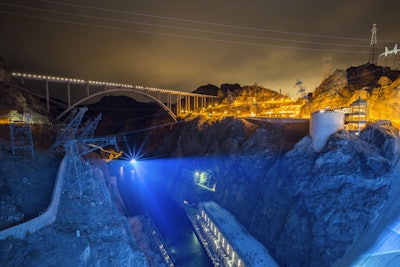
{"x":322,"y":125}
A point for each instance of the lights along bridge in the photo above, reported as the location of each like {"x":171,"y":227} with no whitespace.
{"x":184,"y":101}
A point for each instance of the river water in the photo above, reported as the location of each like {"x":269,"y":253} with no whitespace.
{"x":171,"y":221}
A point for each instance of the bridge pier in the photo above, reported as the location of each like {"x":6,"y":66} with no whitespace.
{"x":87,"y":90}
{"x":169,"y":101}
{"x":178,"y":104}
{"x":69,"y":93}
{"x":47,"y":95}
{"x":187,"y":103}
{"x":196,"y":102}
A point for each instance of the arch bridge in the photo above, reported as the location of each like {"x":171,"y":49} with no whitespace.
{"x":184,"y":101}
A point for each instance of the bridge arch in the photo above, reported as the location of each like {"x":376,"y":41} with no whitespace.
{"x":128,"y":90}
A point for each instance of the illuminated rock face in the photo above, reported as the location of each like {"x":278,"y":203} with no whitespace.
{"x":332,"y":93}
{"x":258,"y":92}
{"x":378,"y":86}
{"x":12,"y":98}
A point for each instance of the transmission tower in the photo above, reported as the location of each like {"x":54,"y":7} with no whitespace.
{"x":372,"y":52}
{"x":326,"y":66}
{"x":302,"y":90}
{"x":76,"y":140}
{"x":70,"y":132}
{"x":89,"y":128}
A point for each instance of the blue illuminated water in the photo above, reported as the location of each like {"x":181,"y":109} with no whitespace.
{"x":171,"y":221}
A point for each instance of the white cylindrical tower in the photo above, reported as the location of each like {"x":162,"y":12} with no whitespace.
{"x":322,"y":125}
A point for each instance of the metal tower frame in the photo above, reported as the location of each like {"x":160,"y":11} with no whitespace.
{"x":374,"y":42}
{"x":76,"y":142}
{"x":70,"y":132}
{"x":21,"y":140}
{"x":302,"y":90}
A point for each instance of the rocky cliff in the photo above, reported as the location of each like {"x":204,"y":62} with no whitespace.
{"x":306,"y":207}
{"x":379,"y":86}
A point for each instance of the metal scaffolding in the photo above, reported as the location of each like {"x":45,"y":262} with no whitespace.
{"x":21,"y":141}
{"x":76,"y":141}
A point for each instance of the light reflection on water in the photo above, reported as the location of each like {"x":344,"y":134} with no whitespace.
{"x":172,"y":223}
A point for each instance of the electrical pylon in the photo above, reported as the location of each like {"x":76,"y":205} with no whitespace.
{"x":372,"y":52}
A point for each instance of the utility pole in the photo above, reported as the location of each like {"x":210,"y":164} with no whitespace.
{"x":372,"y":52}
{"x":302,"y":90}
{"x":326,"y":66}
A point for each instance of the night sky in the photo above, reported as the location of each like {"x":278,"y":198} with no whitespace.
{"x":182,"y":45}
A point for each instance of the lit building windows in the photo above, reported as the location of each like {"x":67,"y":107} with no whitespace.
{"x":356,"y":117}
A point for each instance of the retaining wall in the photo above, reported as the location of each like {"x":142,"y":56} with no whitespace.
{"x":48,"y":217}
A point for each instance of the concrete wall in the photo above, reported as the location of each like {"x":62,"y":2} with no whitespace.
{"x":280,"y":120}
{"x":47,"y":218}
{"x":323,"y":125}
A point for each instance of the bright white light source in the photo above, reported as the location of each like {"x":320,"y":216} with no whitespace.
{"x":133,"y":161}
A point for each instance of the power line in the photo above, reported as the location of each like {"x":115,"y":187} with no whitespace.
{"x":134,"y":119}
{"x":198,"y":22}
{"x":180,"y":35}
{"x":202,"y":22}
{"x":148,"y":128}
{"x":184,"y":28}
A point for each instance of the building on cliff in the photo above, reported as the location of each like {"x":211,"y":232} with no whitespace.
{"x":356,"y":116}
{"x":228,"y":240}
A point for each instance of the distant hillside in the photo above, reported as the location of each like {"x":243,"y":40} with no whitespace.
{"x":237,"y":91}
{"x":208,"y":89}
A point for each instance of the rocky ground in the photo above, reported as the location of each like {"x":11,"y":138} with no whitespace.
{"x":379,"y":86}
{"x":25,"y":189}
{"x":89,"y":230}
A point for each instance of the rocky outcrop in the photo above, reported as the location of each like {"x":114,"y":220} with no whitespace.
{"x":306,"y":207}
{"x":20,"y":99}
{"x":385,"y":139}
{"x":208,"y":89}
{"x":332,"y":93}
{"x":257,"y":92}
{"x":12,"y":98}
{"x":379,"y":86}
